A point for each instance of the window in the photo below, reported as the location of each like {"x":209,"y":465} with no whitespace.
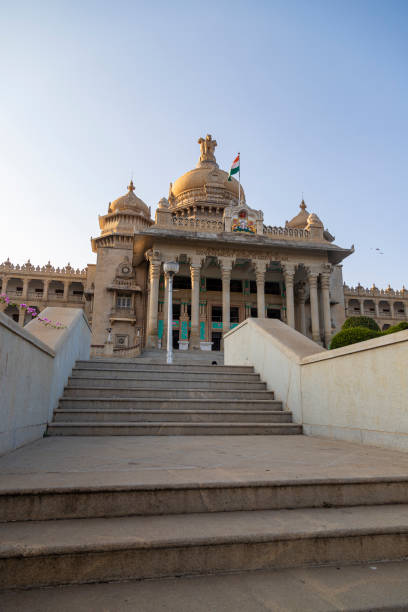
{"x":216,"y":313}
{"x":19,"y":288}
{"x":272,"y":288}
{"x":38,"y":290}
{"x":59,"y":292}
{"x":254,"y":312}
{"x":236,"y":286}
{"x":234,"y":314}
{"x":77,"y":293}
{"x":123,"y":300}
{"x":214,"y":284}
{"x":181,"y":282}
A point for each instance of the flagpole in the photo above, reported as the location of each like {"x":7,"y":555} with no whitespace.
{"x":239,"y":180}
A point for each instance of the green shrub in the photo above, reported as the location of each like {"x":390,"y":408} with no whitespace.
{"x":367,"y":322}
{"x":353,"y":335}
{"x":396,"y":328}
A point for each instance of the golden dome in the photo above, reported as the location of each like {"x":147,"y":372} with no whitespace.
{"x":206,"y":175}
{"x":130,"y":202}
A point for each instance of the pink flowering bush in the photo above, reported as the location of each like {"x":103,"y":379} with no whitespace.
{"x":4,"y":299}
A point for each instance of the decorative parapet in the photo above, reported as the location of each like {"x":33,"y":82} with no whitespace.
{"x":284,"y":233}
{"x":198,"y":225}
{"x":375,"y":292}
{"x":8,"y":268}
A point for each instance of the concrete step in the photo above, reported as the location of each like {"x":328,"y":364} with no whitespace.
{"x":177,"y":416}
{"x":172,"y":429}
{"x":172,"y":392}
{"x":176,"y":381}
{"x":141,"y":374}
{"x":123,"y":403}
{"x":101,"y":550}
{"x":88,"y":500}
{"x":364,"y":588}
{"x":175,"y":367}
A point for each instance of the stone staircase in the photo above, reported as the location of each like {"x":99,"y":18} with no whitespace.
{"x":145,"y":396}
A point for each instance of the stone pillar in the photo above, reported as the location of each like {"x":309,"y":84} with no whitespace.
{"x":302,"y":312}
{"x":288,"y":275}
{"x":154,"y":277}
{"x":195,"y":269}
{"x":377,"y":309}
{"x":361,"y":307}
{"x":165,"y":312}
{"x":21,"y":316}
{"x":25,"y":289}
{"x":4,"y":284}
{"x":66,"y":290}
{"x":325,"y":284}
{"x":314,"y":305}
{"x":46,"y":285}
{"x":226,"y":267}
{"x":260,"y":269}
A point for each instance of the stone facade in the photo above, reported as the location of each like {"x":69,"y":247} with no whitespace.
{"x":231,"y":266}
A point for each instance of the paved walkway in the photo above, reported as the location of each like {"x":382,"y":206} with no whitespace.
{"x":120,"y":460}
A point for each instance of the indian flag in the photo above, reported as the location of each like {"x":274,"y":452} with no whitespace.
{"x":234,"y":168}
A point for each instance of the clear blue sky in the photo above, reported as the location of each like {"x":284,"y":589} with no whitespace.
{"x":313,"y":93}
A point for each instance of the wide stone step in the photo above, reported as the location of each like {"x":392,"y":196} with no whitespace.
{"x":176,"y":382}
{"x":159,"y":367}
{"x":214,"y":375}
{"x":170,"y":393}
{"x":123,"y":403}
{"x":101,"y":550}
{"x":189,"y":416}
{"x":172,"y":429}
{"x":38,"y":503}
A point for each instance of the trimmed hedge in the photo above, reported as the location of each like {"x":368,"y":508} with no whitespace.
{"x":353,"y":335}
{"x":360,"y":322}
{"x":396,"y":328}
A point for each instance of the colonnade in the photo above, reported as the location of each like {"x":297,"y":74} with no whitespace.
{"x":226,"y":264}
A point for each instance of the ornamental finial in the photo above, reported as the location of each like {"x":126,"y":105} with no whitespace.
{"x":131,"y":186}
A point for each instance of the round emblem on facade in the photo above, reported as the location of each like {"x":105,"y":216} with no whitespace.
{"x":125,"y":270}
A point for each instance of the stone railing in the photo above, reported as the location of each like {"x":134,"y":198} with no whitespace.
{"x":198,"y":225}
{"x":127,"y":351}
{"x":375,"y":292}
{"x":7,"y":267}
{"x":286,"y":233}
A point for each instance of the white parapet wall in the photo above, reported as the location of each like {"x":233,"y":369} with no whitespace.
{"x":35,"y":363}
{"x":357,"y":393}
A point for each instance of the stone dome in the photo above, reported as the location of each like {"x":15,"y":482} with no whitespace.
{"x":206,"y":175}
{"x":301,"y":219}
{"x":130,"y":202}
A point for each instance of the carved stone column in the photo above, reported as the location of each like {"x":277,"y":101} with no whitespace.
{"x":66,"y":290}
{"x":195,"y":270}
{"x":165,"y":312}
{"x":302,"y":312}
{"x":46,"y":285}
{"x":260,"y":269}
{"x":21,"y":316}
{"x":314,"y":304}
{"x":25,"y":289}
{"x":361,"y":307}
{"x":377,"y":309}
{"x":4,"y":284}
{"x":288,"y":275}
{"x":325,"y":284}
{"x":226,"y":267}
{"x":154,"y":277}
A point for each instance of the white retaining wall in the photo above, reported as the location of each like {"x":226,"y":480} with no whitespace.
{"x":357,"y":393}
{"x":35,"y":362}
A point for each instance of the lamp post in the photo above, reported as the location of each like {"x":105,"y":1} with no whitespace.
{"x":170,"y":269}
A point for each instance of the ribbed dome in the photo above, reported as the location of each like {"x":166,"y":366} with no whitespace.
{"x":300,"y":221}
{"x":130,"y":202}
{"x":207,"y":174}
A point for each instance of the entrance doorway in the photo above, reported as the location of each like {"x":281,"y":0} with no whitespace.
{"x":176,"y":338}
{"x":273,"y":313}
{"x":216,"y":339}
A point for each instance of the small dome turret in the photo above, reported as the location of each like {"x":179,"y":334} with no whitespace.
{"x":130,"y":202}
